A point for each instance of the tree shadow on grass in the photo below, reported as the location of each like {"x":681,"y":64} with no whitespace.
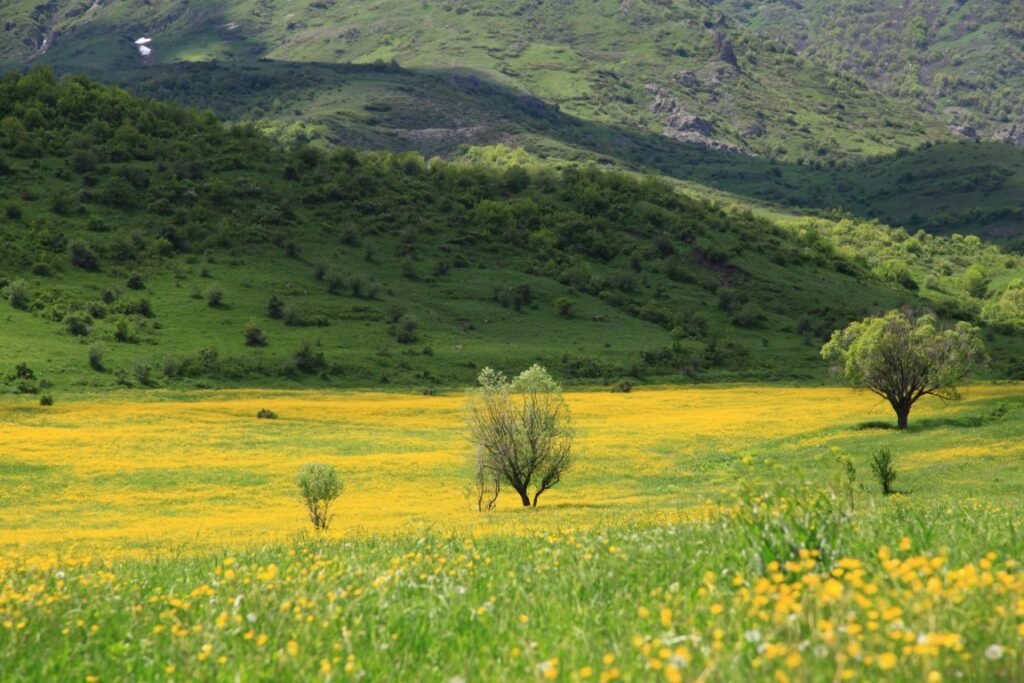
{"x":928,"y":423}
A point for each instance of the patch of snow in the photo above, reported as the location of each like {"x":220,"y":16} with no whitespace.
{"x":145,"y":51}
{"x":143,"y":41}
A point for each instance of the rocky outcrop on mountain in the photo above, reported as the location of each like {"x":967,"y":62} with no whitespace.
{"x":683,"y":126}
{"x":664,"y":102}
{"x":1014,"y":135}
{"x":687,"y":79}
{"x":723,"y":46}
{"x":754,"y":130}
{"x":968,"y":132}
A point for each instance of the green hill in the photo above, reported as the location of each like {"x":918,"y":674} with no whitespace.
{"x":160,"y":235}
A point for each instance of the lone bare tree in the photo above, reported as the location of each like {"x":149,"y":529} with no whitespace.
{"x":903,"y":357}
{"x":522,"y":434}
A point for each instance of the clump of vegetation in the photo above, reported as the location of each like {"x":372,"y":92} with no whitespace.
{"x":566,"y":307}
{"x":319,"y":486}
{"x":143,"y":374}
{"x":46,"y":400}
{"x":254,"y":336}
{"x":96,"y":358}
{"x":17,"y":294}
{"x":622,"y":387}
{"x":308,"y":359}
{"x":266,"y":414}
{"x":215,"y":296}
{"x":883,"y":466}
{"x":404,"y":330}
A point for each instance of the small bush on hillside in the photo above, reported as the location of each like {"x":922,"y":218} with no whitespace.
{"x":623,"y":387}
{"x":265,"y":414}
{"x":294,"y":315}
{"x":143,"y":374}
{"x":96,"y":358}
{"x":17,"y":295}
{"x":136,"y":282}
{"x":140,"y":306}
{"x":171,"y":366}
{"x":884,"y":468}
{"x":515,"y":297}
{"x":309,"y":360}
{"x":335,"y":281}
{"x":214,"y":296}
{"x":76,"y":325}
{"x":126,"y":331}
{"x":275,"y":308}
{"x":319,"y":486}
{"x":566,"y":307}
{"x":748,"y":315}
{"x":254,"y":336}
{"x":404,"y":330}
{"x":46,"y":400}
{"x":83,"y":256}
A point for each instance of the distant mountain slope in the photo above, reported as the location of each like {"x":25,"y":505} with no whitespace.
{"x":143,"y":243}
{"x":680,"y":89}
{"x":666,"y":68}
{"x":961,"y":59}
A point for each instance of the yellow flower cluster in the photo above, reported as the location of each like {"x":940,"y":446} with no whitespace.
{"x":897,"y":611}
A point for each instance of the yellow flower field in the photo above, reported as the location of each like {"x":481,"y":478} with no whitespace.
{"x":134,"y":473}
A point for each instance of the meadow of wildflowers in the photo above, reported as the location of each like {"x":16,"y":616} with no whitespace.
{"x":707,"y":535}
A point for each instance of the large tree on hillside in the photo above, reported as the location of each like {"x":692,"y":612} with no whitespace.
{"x":903,"y":357}
{"x":522,"y":434}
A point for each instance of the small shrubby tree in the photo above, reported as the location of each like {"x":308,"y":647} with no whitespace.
{"x":522,"y":435}
{"x":884,"y":469}
{"x":319,"y":486}
{"x":903,"y":357}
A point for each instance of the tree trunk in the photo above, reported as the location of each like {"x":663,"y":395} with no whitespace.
{"x":525,"y":496}
{"x":902,"y":416}
{"x":536,"y":496}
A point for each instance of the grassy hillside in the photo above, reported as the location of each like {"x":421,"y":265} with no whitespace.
{"x":960,"y":60}
{"x":159,"y":235}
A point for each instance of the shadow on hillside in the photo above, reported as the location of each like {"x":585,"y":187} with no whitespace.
{"x":448,"y":104}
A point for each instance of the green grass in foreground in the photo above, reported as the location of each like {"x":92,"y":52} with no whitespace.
{"x":794,"y":587}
